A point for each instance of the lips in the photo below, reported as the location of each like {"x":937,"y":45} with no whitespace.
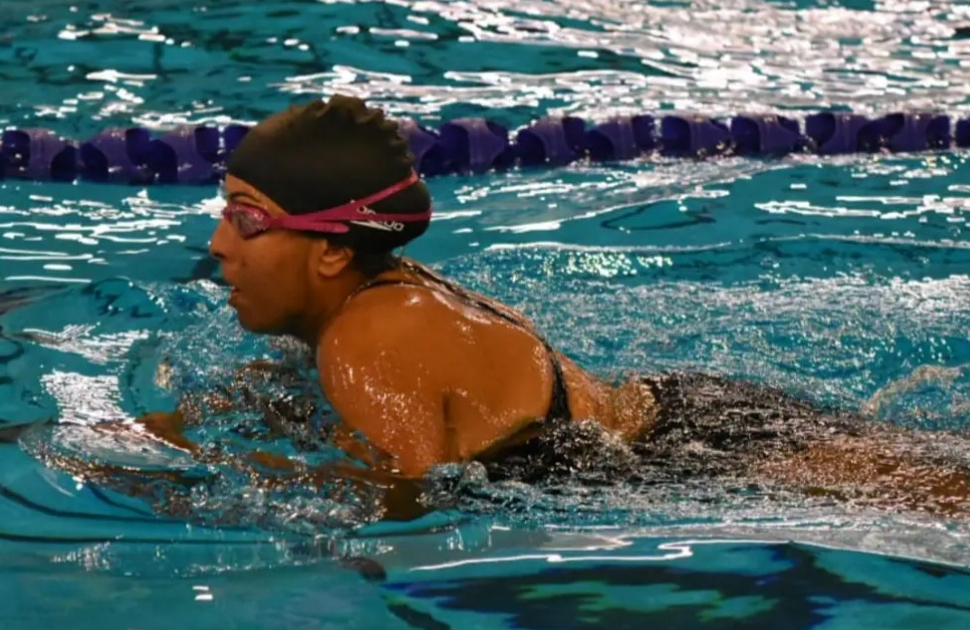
{"x":233,"y":289}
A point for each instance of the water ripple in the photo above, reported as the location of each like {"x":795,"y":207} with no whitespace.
{"x":228,"y":61}
{"x":843,"y":277}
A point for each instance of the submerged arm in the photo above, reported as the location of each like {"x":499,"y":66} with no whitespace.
{"x":878,"y":472}
{"x":275,"y":411}
{"x":400,"y":496}
{"x":402,"y":442}
{"x":10,"y":433}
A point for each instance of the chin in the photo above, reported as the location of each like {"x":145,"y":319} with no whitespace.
{"x":262,"y":327}
{"x":259,"y":329}
{"x":251,"y":324}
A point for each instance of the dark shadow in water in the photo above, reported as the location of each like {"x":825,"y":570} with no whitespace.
{"x":21,"y":296}
{"x":797,"y":597}
{"x":206,"y":268}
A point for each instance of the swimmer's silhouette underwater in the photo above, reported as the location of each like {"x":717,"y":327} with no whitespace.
{"x":420,"y":371}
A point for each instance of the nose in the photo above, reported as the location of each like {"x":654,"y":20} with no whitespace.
{"x":219,"y":244}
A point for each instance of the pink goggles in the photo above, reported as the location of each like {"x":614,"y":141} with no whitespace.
{"x":250,"y":221}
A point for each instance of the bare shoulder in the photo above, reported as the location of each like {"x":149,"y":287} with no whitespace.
{"x":396,"y":323}
{"x":379,"y":369}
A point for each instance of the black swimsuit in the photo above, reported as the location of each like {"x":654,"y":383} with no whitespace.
{"x":733,"y":423}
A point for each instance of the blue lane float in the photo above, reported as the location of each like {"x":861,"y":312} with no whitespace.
{"x":197,"y":154}
{"x":687,"y":136}
{"x":766,"y":135}
{"x":476,"y":145}
{"x":621,"y":138}
{"x":961,"y":134}
{"x":37,"y":154}
{"x":835,"y":133}
{"x":187,"y":155}
{"x":551,"y":141}
{"x":118,"y":156}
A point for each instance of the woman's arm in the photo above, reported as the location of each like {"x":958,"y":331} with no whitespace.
{"x":877,"y":472}
{"x":400,"y":496}
{"x":251,"y":389}
{"x":10,"y":433}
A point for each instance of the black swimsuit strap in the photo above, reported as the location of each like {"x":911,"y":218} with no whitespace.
{"x":559,"y":406}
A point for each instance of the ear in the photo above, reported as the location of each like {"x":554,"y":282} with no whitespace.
{"x":329,"y":260}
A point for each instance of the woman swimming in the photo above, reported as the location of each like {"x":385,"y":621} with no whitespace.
{"x":422,"y":372}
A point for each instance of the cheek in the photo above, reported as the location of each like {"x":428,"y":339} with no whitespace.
{"x":277,"y":282}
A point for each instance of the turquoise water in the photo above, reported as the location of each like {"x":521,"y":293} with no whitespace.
{"x":841,"y":279}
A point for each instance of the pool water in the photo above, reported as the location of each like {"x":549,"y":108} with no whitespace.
{"x":843,"y":279}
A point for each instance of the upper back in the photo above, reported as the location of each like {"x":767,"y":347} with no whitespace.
{"x":491,"y":369}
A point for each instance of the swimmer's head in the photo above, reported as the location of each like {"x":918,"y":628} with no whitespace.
{"x":319,"y":192}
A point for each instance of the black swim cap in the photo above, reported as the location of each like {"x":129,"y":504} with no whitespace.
{"x":324,"y":154}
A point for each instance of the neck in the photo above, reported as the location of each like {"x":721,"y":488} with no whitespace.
{"x":327,"y":298}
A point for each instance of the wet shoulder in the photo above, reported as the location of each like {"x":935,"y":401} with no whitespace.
{"x":385,"y":321}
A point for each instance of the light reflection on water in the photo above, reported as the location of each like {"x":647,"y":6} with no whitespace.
{"x":844,"y":278}
{"x":105,"y":231}
{"x":440,"y":59}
